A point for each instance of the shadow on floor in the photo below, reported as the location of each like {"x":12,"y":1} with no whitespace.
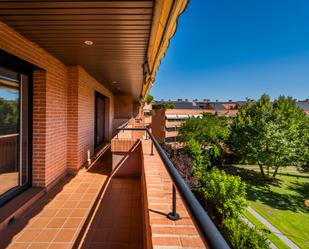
{"x":117,"y":219}
{"x":46,"y":208}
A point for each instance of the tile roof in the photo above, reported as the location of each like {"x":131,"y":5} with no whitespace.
{"x":216,"y":105}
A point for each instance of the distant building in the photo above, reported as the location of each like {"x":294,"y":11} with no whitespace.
{"x":165,"y":123}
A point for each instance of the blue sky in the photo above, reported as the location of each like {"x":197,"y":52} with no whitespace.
{"x":227,"y":49}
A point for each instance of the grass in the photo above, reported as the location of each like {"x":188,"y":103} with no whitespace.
{"x":270,"y":235}
{"x":281,"y":202}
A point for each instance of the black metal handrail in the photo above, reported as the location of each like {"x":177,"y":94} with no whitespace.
{"x":207,"y":229}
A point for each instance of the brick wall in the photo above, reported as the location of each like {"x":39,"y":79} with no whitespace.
{"x":63,"y":109}
{"x":50,"y":106}
{"x":72,"y":148}
{"x":86,"y":101}
{"x":123,"y":106}
{"x":158,"y":125}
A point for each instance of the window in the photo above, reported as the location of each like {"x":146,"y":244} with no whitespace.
{"x":14,"y":133}
{"x":100,"y":118}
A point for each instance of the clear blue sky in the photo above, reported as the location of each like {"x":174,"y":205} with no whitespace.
{"x":232,"y":49}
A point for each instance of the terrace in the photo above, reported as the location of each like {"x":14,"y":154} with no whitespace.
{"x":71,"y":72}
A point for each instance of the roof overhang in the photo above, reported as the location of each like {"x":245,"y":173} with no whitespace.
{"x":129,"y":37}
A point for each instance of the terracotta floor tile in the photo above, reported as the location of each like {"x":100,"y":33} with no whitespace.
{"x":59,"y":246}
{"x":101,"y":234}
{"x":136,"y":245}
{"x":59,"y":217}
{"x":84,"y":204}
{"x":38,"y":246}
{"x":18,"y":245}
{"x":121,"y":235}
{"x":75,"y":197}
{"x":136,"y":235}
{"x":79,"y":190}
{"x":48,"y":212}
{"x":47,"y":235}
{"x":40,"y":222}
{"x":55,"y":204}
{"x":63,"y":196}
{"x":28,"y":235}
{"x":65,"y":235}
{"x":122,"y":222}
{"x":79,"y":212}
{"x":56,"y":223}
{"x":98,"y":245}
{"x":106,"y":222}
{"x":64,"y":212}
{"x":88,"y":197}
{"x":119,"y":245}
{"x":72,"y":222}
{"x":70,"y":204}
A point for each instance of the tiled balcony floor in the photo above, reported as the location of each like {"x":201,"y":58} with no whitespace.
{"x":89,"y":210}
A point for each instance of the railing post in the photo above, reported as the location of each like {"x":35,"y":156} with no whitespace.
{"x":173,"y":215}
{"x":151,"y":153}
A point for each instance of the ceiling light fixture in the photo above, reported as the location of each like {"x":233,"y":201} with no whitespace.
{"x":88,"y":43}
{"x":114,"y":82}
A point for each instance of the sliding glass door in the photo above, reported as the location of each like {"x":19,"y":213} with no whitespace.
{"x":14,"y":132}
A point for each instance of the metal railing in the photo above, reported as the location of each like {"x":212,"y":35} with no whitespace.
{"x":206,"y":228}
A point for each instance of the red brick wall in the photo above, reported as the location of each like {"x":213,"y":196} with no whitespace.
{"x":50,"y":106}
{"x":158,"y":125}
{"x":86,"y":100}
{"x":123,"y":106}
{"x":72,"y":148}
{"x":63,"y":109}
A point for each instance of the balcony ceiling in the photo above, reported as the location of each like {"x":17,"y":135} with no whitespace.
{"x":120,"y":31}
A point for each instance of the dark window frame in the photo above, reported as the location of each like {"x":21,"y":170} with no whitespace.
{"x":22,"y":67}
{"x":98,"y":95}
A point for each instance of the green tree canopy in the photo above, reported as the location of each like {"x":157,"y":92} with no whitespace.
{"x":8,"y":112}
{"x":149,"y":99}
{"x":226,"y":192}
{"x":164,"y":106}
{"x":271,"y":134}
{"x":209,"y":132}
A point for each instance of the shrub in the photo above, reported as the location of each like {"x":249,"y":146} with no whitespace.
{"x":183,"y":163}
{"x":226,"y":193}
{"x":201,"y":159}
{"x":241,"y":236}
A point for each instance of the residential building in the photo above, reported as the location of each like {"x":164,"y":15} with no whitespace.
{"x":166,"y":122}
{"x":71,"y":72}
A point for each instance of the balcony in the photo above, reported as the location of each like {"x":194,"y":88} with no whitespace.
{"x":122,"y":200}
{"x":71,"y":72}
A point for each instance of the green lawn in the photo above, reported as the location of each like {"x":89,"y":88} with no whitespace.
{"x":271,"y":236}
{"x":280,"y":202}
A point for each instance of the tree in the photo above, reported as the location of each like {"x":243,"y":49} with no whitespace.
{"x":226,"y":193}
{"x":210,"y":132}
{"x":8,"y":115}
{"x":149,"y":99}
{"x":164,"y":106}
{"x":193,"y":150}
{"x":151,"y":113}
{"x":241,"y":236}
{"x":271,"y":134}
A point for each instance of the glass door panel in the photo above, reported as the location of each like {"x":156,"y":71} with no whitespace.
{"x":99,"y":119}
{"x":9,"y":135}
{"x":13,"y":131}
